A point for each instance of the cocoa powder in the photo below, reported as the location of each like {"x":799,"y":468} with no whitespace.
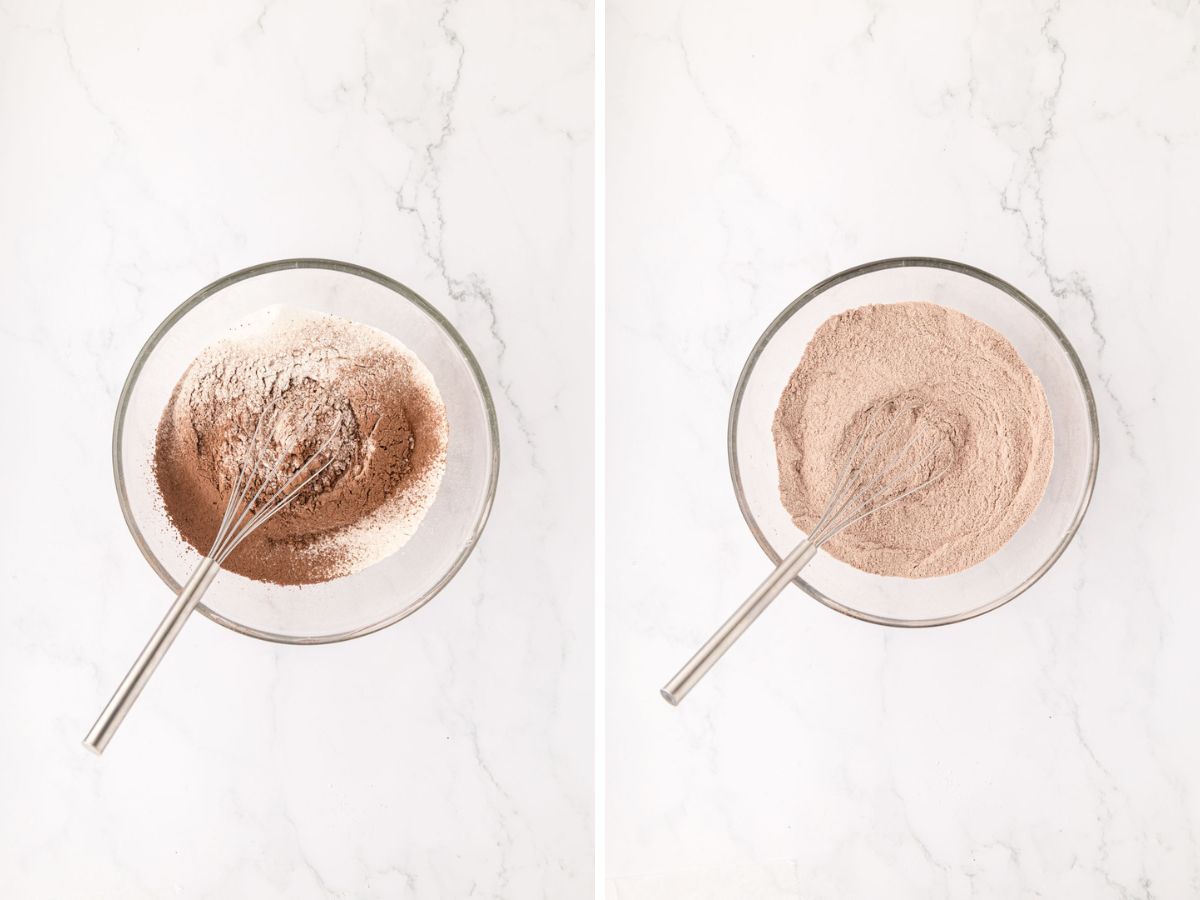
{"x":321,"y":378}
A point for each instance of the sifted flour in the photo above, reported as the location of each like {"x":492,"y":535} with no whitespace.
{"x":315,"y":372}
{"x":963,"y":375}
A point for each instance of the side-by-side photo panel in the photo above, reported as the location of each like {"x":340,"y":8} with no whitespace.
{"x":898,"y":342}
{"x":300,"y":343}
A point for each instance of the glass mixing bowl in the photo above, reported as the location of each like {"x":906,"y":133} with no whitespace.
{"x":1039,"y":542}
{"x":380,"y":594}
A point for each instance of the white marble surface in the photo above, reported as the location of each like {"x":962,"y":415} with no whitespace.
{"x":1048,"y":749}
{"x":146,"y":149}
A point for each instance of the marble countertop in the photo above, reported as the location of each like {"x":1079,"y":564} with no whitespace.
{"x":1046,"y":749}
{"x":147,"y":151}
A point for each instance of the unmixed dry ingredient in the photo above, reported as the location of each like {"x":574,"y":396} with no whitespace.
{"x":321,"y":377}
{"x":963,"y":376}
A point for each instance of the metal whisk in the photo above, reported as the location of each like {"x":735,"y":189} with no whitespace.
{"x":869,"y":481}
{"x":259,"y":492}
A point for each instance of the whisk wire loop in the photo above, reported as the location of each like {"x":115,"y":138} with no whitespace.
{"x":244,"y":515}
{"x":855,"y":495}
{"x":275,"y":502}
{"x":854,"y":468}
{"x":250,"y":460}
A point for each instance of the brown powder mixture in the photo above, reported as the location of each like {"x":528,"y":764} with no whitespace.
{"x":964,"y":377}
{"x":314,"y":372}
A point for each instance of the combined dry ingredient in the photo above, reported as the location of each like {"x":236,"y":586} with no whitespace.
{"x":967,"y":380}
{"x":314,"y":372}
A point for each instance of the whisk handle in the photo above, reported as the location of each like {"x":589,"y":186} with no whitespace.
{"x":706,"y":657}
{"x":168,"y":629}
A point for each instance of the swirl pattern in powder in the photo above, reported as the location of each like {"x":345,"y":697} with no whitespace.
{"x":967,"y":380}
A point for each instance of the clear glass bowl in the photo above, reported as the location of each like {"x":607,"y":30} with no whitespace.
{"x":1034,"y":548}
{"x":385,"y":592}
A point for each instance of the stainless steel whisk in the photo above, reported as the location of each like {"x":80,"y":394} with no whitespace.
{"x":246,"y":510}
{"x":863,"y":488}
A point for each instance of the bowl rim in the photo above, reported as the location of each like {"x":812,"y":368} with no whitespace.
{"x":929,"y":262}
{"x":348,"y":269}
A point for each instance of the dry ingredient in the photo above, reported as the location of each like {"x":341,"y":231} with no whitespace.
{"x":966,"y":379}
{"x":320,"y":377}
